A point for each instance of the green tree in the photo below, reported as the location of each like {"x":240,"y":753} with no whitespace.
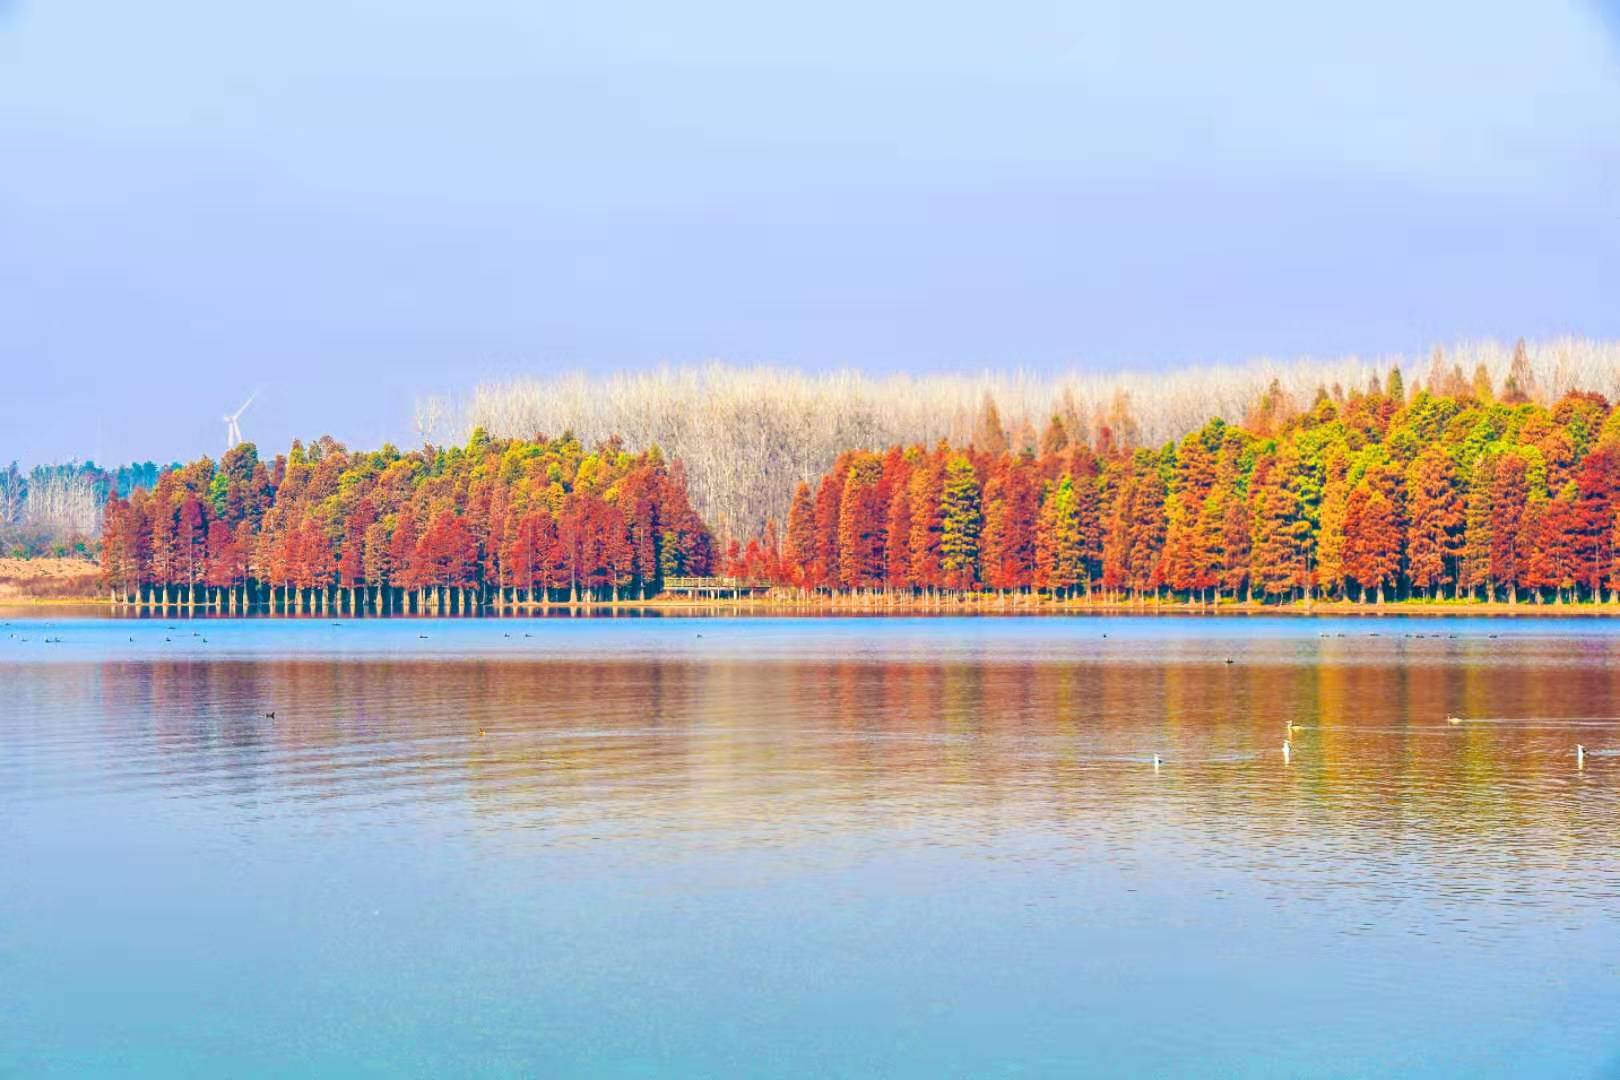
{"x":1059,"y":554}
{"x":963,"y":520}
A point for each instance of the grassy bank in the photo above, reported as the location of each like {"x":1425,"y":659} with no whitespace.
{"x":48,"y":581}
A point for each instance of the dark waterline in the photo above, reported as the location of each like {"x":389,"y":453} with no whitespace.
{"x":899,"y":846}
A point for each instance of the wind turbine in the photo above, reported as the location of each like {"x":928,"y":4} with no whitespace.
{"x":233,"y":433}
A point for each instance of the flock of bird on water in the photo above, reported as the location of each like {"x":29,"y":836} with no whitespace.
{"x":1158,"y":761}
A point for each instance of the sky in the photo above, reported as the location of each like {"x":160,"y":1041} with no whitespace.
{"x":350,"y":203}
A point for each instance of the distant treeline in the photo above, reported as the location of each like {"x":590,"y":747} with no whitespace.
{"x":511,"y":519}
{"x":56,"y":509}
{"x":1368,"y":495}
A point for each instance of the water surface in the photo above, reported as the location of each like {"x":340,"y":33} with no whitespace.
{"x":932,"y":846}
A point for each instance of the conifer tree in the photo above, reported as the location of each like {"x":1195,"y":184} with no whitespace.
{"x":1059,"y":555}
{"x":800,"y":554}
{"x":1435,"y":536}
{"x":1475,"y":573}
{"x":1598,"y":489}
{"x":897,"y":568}
{"x":961,"y":521}
{"x":1510,"y":494}
{"x":829,"y":502}
{"x":861,"y":521}
{"x":927,"y":523}
{"x":1370,"y":541}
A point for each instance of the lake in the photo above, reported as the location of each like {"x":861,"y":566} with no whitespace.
{"x":793,"y":847}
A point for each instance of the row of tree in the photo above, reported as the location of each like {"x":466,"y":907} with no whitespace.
{"x":56,"y":509}
{"x":1371,"y":495}
{"x":750,"y":435}
{"x":494,"y":521}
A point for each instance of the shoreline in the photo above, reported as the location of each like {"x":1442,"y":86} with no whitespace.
{"x":38,"y":587}
{"x":862,"y":607}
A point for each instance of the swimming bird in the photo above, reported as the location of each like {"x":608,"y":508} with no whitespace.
{"x":1580,"y":755}
{"x":1453,"y":719}
{"x":1157,"y":761}
{"x":482,"y":733}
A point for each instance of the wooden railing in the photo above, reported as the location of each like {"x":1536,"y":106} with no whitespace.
{"x":684,"y":584}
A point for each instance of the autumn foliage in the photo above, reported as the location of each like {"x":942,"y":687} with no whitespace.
{"x":1372,"y":495}
{"x":531,"y":520}
{"x":1447,"y":491}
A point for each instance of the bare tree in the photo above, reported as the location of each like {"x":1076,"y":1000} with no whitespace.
{"x":431,"y":414}
{"x":64,"y":505}
{"x":748,"y":435}
{"x":13,"y":495}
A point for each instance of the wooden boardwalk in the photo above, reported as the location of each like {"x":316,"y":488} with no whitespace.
{"x":714,"y":587}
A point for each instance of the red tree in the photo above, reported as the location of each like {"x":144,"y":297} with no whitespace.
{"x":1435,"y":536}
{"x":1371,"y":541}
{"x":799,"y":555}
{"x":1510,"y":495}
{"x":861,"y":521}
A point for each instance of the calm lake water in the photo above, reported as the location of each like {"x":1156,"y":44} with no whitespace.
{"x":785,"y":847}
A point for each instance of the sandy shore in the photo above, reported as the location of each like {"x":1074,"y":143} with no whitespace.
{"x":49,"y":581}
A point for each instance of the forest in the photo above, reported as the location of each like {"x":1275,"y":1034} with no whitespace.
{"x":1454,"y":490}
{"x":1496,"y":483}
{"x":749,"y":436}
{"x":1375,"y":494}
{"x":433,"y":530}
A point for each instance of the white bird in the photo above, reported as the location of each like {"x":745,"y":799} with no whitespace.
{"x":233,"y":433}
{"x":1453,"y":719}
{"x":1287,"y":749}
{"x":1156,"y":762}
{"x":1580,"y":755}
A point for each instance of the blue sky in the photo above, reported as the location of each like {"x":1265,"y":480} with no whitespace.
{"x":349,"y":202}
